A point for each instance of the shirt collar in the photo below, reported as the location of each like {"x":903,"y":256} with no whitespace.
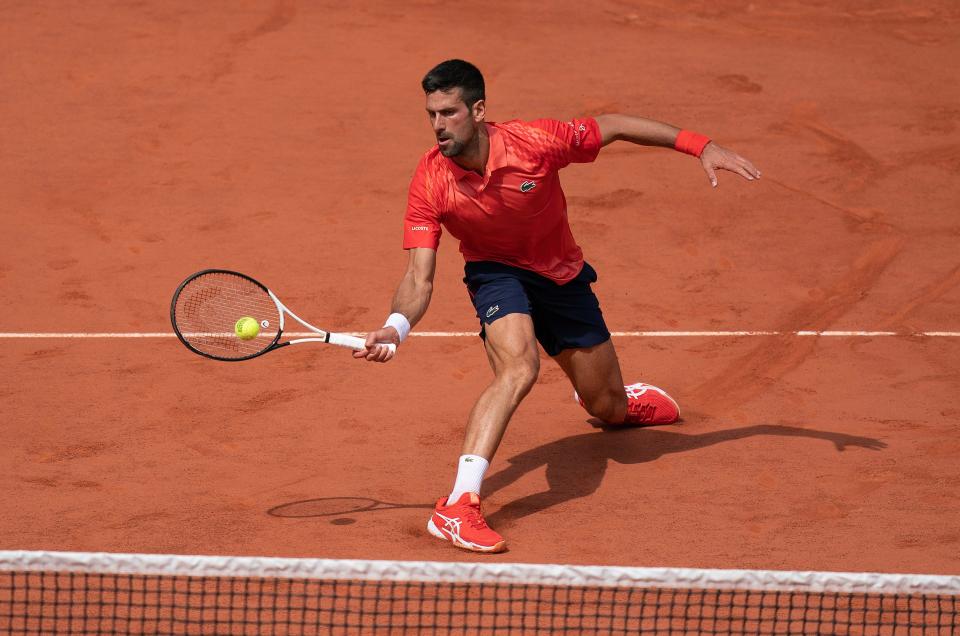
{"x":497,"y":158}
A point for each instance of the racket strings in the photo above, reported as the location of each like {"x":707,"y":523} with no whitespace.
{"x":208,"y":307}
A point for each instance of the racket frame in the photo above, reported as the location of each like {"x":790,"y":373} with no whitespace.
{"x":339,"y":339}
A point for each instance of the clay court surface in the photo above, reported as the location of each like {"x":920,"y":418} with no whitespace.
{"x":142,"y":141}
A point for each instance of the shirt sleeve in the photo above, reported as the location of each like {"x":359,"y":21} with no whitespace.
{"x":421,"y":222}
{"x":576,"y":141}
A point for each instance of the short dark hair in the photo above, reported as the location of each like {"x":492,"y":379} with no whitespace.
{"x":456,"y":74}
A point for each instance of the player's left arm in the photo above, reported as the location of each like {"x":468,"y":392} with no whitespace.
{"x":648,"y":132}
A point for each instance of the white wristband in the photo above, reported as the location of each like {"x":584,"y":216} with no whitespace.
{"x":400,"y":323}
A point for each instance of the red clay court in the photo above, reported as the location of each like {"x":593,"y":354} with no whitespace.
{"x":807,"y":323}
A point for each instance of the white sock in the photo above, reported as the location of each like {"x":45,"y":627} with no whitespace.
{"x":470,"y":470}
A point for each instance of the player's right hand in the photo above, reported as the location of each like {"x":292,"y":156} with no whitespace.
{"x":374,"y":352}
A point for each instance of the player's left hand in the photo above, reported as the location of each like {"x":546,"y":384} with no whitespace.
{"x":716,"y":157}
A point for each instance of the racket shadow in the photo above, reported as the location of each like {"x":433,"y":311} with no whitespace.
{"x":337,"y":506}
{"x":575,"y":465}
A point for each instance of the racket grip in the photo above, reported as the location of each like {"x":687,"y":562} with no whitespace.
{"x":357,"y":344}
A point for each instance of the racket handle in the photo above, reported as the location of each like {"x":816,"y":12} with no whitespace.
{"x":357,"y":344}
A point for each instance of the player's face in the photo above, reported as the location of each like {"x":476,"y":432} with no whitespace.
{"x":453,"y":123}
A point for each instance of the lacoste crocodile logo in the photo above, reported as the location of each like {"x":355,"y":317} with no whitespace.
{"x":493,"y":310}
{"x":527,"y":186}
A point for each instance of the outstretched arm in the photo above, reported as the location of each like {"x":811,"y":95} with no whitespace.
{"x":411,"y":300}
{"x":648,"y":132}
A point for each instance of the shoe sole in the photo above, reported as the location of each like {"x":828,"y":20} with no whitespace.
{"x":499,"y":546}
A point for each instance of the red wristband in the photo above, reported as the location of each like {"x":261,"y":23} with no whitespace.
{"x":691,"y":142}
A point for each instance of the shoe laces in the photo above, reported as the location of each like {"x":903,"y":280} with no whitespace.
{"x":472,"y":516}
{"x":638,"y":409}
{"x":642,"y":412}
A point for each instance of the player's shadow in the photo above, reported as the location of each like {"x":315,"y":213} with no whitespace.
{"x":576,"y":464}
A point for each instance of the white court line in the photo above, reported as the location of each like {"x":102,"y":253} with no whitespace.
{"x":463,"y":334}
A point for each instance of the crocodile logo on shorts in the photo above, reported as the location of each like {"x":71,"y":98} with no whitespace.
{"x":527,"y":186}
{"x":494,"y":309}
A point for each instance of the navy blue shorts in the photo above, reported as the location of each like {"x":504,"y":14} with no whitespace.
{"x":564,"y":316}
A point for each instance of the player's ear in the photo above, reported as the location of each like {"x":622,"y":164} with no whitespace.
{"x":479,"y":110}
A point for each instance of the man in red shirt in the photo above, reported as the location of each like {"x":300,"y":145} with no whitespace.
{"x":496,"y":188}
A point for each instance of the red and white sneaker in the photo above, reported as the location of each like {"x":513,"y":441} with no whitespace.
{"x":647,"y":404}
{"x":462,"y":524}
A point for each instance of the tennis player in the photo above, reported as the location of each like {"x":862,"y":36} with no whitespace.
{"x":496,"y":188}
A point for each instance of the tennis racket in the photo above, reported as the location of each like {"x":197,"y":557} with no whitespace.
{"x":207,"y":305}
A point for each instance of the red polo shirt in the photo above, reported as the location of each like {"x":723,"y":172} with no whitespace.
{"x":516,"y":212}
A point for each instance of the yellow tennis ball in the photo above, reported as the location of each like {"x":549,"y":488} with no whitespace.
{"x":247,"y":328}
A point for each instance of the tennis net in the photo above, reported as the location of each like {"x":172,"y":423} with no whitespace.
{"x":101,"y":593}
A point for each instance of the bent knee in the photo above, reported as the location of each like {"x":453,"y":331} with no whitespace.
{"x":609,"y":406}
{"x":521,"y":374}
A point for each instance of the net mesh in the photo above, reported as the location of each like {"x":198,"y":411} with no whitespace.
{"x":206,"y":310}
{"x":351,"y":597}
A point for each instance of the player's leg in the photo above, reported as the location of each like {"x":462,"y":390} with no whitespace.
{"x":570,"y":326}
{"x":512,"y":351}
{"x":511,"y":347}
{"x":596,"y":377}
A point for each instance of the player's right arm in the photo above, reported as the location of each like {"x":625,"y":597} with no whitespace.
{"x":413,"y":293}
{"x":411,"y":299}
{"x":421,"y":237}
